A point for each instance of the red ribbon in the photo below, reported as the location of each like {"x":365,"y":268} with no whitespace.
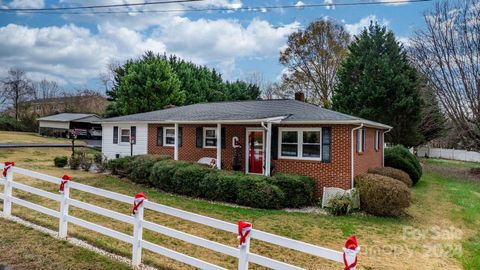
{"x":65,"y":179}
{"x":243,"y":231}
{"x":139,"y":198}
{"x":351,"y":244}
{"x":7,"y":166}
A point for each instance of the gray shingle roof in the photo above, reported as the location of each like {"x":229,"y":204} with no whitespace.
{"x":67,"y":117}
{"x":292,"y":110}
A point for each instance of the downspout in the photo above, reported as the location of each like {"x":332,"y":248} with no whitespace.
{"x":353,"y":152}
{"x":383,"y":146}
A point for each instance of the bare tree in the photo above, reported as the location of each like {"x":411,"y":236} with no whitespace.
{"x":45,"y":92}
{"x":312,"y":58}
{"x":447,"y":52}
{"x":17,"y":88}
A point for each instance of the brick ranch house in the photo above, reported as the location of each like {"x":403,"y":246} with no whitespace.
{"x":256,"y":137}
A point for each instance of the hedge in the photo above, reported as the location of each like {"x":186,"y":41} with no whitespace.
{"x":393,"y":173}
{"x":381,"y":195}
{"x":60,"y":161}
{"x":200,"y":181}
{"x":400,"y":158}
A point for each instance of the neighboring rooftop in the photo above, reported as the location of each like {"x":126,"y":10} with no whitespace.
{"x":290,"y":110}
{"x":68,"y":117}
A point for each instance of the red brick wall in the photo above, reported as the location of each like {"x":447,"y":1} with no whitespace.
{"x":334,"y":174}
{"x":190,"y":152}
{"x":371,"y":158}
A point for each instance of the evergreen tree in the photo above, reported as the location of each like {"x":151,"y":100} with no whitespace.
{"x":376,"y":82}
{"x":144,"y":85}
{"x":154,"y":81}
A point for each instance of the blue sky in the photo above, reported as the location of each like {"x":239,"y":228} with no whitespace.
{"x":75,"y":49}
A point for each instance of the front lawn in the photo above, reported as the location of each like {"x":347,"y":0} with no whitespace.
{"x":440,"y":205}
{"x":12,"y":137}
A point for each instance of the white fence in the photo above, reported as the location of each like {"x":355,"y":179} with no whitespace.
{"x":454,"y":154}
{"x":242,"y":253}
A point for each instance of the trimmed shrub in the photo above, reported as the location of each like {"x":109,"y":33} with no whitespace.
{"x":100,"y":162}
{"x":299,"y":190}
{"x":219,"y":186}
{"x":187,"y":180}
{"x":256,"y":192}
{"x":119,"y":166}
{"x":60,"y":161}
{"x":162,"y":173}
{"x":140,"y":167}
{"x":393,"y":173}
{"x":400,"y":158}
{"x":381,"y":195}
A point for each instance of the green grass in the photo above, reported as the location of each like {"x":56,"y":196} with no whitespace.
{"x":451,"y":163}
{"x":437,"y":200}
{"x":466,"y":196}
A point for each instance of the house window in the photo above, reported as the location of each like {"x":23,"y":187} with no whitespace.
{"x":209,"y":137}
{"x":377,"y":140}
{"x":311,"y":144}
{"x":125,"y":135}
{"x":169,"y":136}
{"x":360,"y":140}
{"x":300,"y":143}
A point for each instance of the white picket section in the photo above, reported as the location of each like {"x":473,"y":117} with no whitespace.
{"x":242,"y":253}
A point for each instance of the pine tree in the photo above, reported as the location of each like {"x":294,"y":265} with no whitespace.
{"x":376,"y":82}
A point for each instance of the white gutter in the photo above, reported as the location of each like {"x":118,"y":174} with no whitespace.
{"x":353,"y":152}
{"x":383,"y":146}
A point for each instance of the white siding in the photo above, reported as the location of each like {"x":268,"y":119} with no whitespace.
{"x":110,"y":150}
{"x":54,"y":124}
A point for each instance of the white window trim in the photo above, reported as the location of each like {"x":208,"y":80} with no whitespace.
{"x":165,"y":137}
{"x":360,"y":142}
{"x":205,"y":137}
{"x":120,"y":135}
{"x":299,"y":143}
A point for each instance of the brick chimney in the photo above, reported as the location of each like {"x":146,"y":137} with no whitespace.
{"x":300,"y":96}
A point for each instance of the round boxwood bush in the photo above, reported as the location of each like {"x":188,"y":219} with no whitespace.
{"x":140,"y":167}
{"x":187,"y":180}
{"x":393,"y":173}
{"x":381,"y":195}
{"x":162,"y":172}
{"x":400,"y":158}
{"x":299,"y":190}
{"x":60,"y":161}
{"x":220,"y":186}
{"x":120,"y":166}
{"x":257,"y":192}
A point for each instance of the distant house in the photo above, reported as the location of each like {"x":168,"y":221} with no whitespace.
{"x":92,"y":103}
{"x":60,"y":125}
{"x":262,"y":136}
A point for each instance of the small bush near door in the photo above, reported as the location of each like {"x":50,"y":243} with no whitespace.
{"x":60,"y":161}
{"x":200,"y":181}
{"x":381,"y":195}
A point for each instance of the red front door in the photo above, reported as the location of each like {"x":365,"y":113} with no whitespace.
{"x":255,"y":151}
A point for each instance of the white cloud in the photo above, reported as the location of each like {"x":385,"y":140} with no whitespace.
{"x":300,"y":4}
{"x":394,"y":2}
{"x":26,"y":4}
{"x":357,"y":27}
{"x":329,"y":4}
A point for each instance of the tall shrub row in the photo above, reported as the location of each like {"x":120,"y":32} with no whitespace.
{"x":194,"y":180}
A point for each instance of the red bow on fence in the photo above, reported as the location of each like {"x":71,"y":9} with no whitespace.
{"x":351,"y":249}
{"x":7,"y":166}
{"x":243,"y":231}
{"x":65,"y":179}
{"x":139,"y":198}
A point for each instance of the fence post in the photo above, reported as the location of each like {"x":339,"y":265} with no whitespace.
{"x":7,"y":202}
{"x":137,"y":236}
{"x":63,"y":225}
{"x":244,"y":250}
